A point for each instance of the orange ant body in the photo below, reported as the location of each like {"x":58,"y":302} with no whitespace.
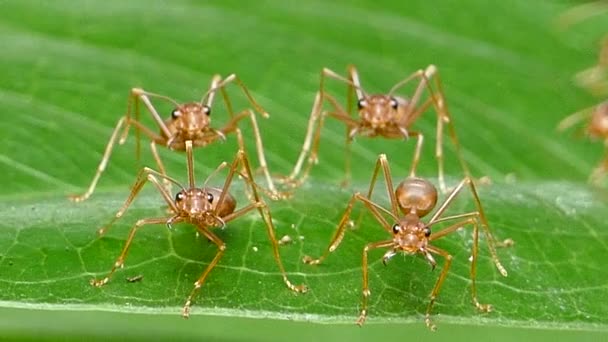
{"x":188,"y":122}
{"x":205,"y":208}
{"x":410,"y":201}
{"x":384,"y":115}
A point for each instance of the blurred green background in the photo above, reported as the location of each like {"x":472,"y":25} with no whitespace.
{"x":67,"y":68}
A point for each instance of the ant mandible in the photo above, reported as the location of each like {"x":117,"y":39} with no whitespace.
{"x":205,"y":208}
{"x":410,"y":202}
{"x":188,"y":122}
{"x":385,"y":115}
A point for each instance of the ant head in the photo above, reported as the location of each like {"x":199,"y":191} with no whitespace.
{"x":410,"y":234}
{"x":190,"y":119}
{"x":598,"y":126}
{"x":378,"y":110}
{"x":416,"y":196}
{"x":203,"y":204}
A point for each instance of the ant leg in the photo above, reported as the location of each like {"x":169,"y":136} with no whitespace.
{"x":275,"y":250}
{"x":161,"y":166}
{"x":600,"y":171}
{"x":257,"y":202}
{"x":233,"y":126}
{"x":144,"y":175}
{"x":318,"y":115}
{"x":209,"y":97}
{"x":144,"y":96}
{"x":366,"y":292}
{"x":347,"y":159}
{"x":104,"y":161}
{"x":439,"y":156}
{"x":438,"y":283}
{"x":419,"y":141}
{"x":262,"y":158}
{"x":479,"y":306}
{"x":382,"y":162}
{"x":338,"y":235}
{"x":575,"y":118}
{"x":197,"y":285}
{"x":444,"y":117}
{"x":314,"y":135}
{"x":472,"y":220}
{"x":482,"y":218}
{"x":121,"y":258}
{"x":312,"y":129}
{"x":127,"y":122}
{"x":235,"y":79}
{"x":340,"y":230}
{"x":437,"y":99}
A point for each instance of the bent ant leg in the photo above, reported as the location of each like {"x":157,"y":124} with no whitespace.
{"x":217,"y":83}
{"x":232,"y":125}
{"x":312,"y":129}
{"x":438,"y":284}
{"x":482,"y":218}
{"x":365,"y":289}
{"x":257,"y":202}
{"x":313,"y":132}
{"x":444,"y":118}
{"x":382,"y":163}
{"x":161,"y":166}
{"x":123,"y":121}
{"x":600,"y":171}
{"x":341,"y":228}
{"x":437,"y":99}
{"x":313,"y":138}
{"x":469,"y":219}
{"x":574,"y":118}
{"x":121,"y":258}
{"x":221,"y":246}
{"x":144,"y":175}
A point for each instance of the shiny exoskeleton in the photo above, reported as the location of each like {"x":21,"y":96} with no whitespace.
{"x":188,"y":122}
{"x":412,"y":200}
{"x":379,"y":115}
{"x":205,"y":208}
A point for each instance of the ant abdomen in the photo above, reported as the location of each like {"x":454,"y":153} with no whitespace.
{"x":416,"y":195}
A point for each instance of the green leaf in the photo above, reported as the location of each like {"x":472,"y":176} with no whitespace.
{"x":507,"y":73}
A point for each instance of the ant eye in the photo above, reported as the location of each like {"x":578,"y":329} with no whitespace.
{"x":176,"y":113}
{"x":427,"y":231}
{"x":361,"y":103}
{"x":394,"y":103}
{"x":179,"y":197}
{"x":209,"y":198}
{"x":396,"y":229}
{"x":207,"y":110}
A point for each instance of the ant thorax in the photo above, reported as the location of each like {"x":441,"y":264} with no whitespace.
{"x":381,"y":112}
{"x":598,"y":126}
{"x":190,"y":121}
{"x":201,"y":205}
{"x":410,"y":235}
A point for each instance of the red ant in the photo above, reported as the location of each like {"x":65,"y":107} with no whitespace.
{"x":410,"y":201}
{"x":385,"y":115}
{"x":205,"y":208}
{"x":188,"y":122}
